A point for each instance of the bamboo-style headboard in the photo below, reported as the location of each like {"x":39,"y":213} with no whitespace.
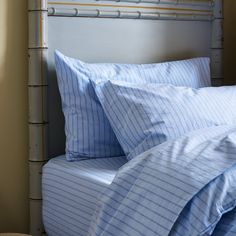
{"x":127,"y":31}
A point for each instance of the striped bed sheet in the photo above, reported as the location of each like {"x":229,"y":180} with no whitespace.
{"x":70,"y":192}
{"x":178,"y":188}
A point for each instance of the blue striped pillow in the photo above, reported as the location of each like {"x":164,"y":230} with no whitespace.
{"x":88,"y":132}
{"x":145,"y":115}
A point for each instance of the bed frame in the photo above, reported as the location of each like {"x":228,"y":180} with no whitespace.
{"x":127,"y":31}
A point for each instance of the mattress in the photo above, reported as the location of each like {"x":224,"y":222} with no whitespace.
{"x":70,"y":191}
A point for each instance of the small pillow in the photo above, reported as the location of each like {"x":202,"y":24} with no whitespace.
{"x":88,"y":132}
{"x":145,"y":115}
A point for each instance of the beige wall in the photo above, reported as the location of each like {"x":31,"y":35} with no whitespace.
{"x":13,"y":116}
{"x":13,"y":107}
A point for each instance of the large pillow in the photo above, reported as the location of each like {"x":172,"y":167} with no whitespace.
{"x":145,"y":115}
{"x":88,"y":132}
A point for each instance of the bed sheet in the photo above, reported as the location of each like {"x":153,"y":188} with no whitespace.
{"x":70,"y":192}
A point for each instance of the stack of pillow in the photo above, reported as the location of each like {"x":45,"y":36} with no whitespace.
{"x":125,"y":109}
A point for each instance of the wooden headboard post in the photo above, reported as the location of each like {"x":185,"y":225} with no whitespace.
{"x":38,"y":118}
{"x":217,"y":43}
{"x":140,"y":15}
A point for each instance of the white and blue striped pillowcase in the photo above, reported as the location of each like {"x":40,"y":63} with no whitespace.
{"x":86,"y":126}
{"x":145,"y":115}
{"x":88,"y":132}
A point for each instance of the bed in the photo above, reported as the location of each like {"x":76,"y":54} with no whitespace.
{"x":99,"y":31}
{"x":70,"y":190}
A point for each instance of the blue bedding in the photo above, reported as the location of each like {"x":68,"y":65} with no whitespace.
{"x":181,"y":187}
{"x":70,"y":191}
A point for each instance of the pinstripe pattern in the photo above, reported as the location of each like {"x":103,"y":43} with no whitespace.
{"x":179,"y":187}
{"x":145,"y":115}
{"x":87,"y":129}
{"x":205,"y":210}
{"x":70,"y":191}
{"x":227,"y":225}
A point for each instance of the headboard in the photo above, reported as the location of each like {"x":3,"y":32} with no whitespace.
{"x":123,"y":31}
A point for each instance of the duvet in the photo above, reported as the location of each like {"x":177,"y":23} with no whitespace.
{"x":181,"y":187}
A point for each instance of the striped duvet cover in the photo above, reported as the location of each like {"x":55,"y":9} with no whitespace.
{"x":181,"y":187}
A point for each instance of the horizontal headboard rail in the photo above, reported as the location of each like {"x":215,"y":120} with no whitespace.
{"x":170,"y":2}
{"x":75,"y":12}
{"x":140,"y":10}
{"x":156,"y":2}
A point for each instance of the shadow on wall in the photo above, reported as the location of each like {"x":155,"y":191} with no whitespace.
{"x":182,"y":46}
{"x":229,"y":41}
{"x":13,"y":118}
